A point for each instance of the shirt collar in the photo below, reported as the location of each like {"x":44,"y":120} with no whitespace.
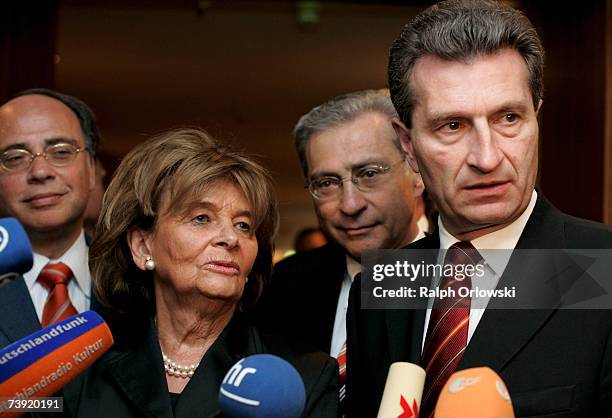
{"x":352,"y":267}
{"x":502,"y":239}
{"x":77,"y":258}
{"x":423,"y":225}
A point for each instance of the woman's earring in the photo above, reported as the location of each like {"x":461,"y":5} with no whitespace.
{"x":149,"y":263}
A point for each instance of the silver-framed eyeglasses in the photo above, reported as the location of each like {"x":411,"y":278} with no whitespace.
{"x":58,"y":155}
{"x":365,"y":178}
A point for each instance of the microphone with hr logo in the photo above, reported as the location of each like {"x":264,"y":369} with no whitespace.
{"x":262,"y":385}
{"x":15,"y":250}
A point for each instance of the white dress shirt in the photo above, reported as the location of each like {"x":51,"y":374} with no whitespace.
{"x":352,"y":268}
{"x":495,"y":262}
{"x":79,"y":288}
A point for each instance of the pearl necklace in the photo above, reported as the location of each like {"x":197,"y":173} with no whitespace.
{"x":177,"y":370}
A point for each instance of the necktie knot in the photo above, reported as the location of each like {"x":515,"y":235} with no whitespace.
{"x":53,"y":274}
{"x":463,"y":252}
{"x":58,"y":306}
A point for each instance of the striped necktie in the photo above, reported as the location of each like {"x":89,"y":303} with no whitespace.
{"x":447,"y":331}
{"x":55,"y":277}
{"x":342,"y":367}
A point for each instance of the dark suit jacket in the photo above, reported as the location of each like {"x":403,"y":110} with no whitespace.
{"x":300,"y":302}
{"x":555,"y":362}
{"x":129,"y":381}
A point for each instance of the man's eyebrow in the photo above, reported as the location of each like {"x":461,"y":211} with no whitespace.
{"x":368,"y":162}
{"x":512,"y":107}
{"x":17,"y":145}
{"x":61,"y":140}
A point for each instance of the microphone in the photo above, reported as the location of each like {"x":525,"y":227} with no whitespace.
{"x":15,"y":250}
{"x":476,"y":393}
{"x":262,"y":386}
{"x":44,"y":362}
{"x":403,"y":391}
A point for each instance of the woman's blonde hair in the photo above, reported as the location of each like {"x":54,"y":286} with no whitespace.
{"x":182,"y":162}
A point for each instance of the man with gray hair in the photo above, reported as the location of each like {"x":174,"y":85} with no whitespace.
{"x":466,"y":79}
{"x":365,"y":195}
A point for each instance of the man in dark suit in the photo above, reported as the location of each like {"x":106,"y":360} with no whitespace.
{"x":47,"y":146}
{"x":466,"y":79}
{"x":364,"y":193}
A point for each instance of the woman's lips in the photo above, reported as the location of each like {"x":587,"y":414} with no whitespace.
{"x":224,"y":267}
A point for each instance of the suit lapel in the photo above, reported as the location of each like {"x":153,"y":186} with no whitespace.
{"x":139,"y":374}
{"x":502,"y":333}
{"x":17,"y":314}
{"x":333,"y":270}
{"x":405,"y":326}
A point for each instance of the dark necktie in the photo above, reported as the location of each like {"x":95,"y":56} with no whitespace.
{"x":447,"y":331}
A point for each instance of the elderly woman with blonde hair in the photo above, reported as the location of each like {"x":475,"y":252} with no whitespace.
{"x":182,"y":249}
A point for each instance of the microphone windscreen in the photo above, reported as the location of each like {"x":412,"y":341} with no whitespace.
{"x":262,"y":386}
{"x":15,"y":249}
{"x":44,"y":362}
{"x":403,"y":391}
{"x":477,"y":393}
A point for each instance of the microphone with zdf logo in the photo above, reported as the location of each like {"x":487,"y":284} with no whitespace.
{"x":476,"y":393}
{"x":262,"y":386}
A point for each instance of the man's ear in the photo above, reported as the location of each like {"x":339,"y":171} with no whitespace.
{"x":405,"y":139}
{"x":418,"y":184}
{"x":540,"y":103}
{"x":139,"y":243}
{"x":91,"y":172}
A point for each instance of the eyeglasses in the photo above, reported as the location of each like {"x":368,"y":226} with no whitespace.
{"x":365,"y":179}
{"x":58,"y":155}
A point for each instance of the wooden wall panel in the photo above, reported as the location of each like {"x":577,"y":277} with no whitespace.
{"x":28,"y":32}
{"x":573,"y":119}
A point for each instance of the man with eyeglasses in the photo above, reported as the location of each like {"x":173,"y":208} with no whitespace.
{"x":47,"y":146}
{"x":365,"y":195}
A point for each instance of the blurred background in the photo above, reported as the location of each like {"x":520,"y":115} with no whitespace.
{"x":246,"y":70}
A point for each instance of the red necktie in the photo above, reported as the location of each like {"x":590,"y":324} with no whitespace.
{"x":342,"y":365}
{"x":447,"y":331}
{"x":55,"y":277}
